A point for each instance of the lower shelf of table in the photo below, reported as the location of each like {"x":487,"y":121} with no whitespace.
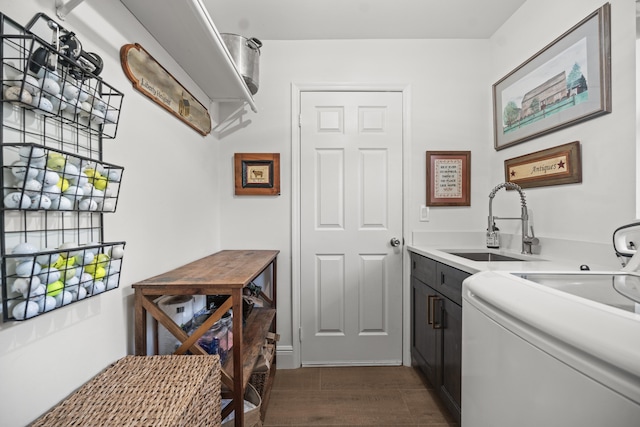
{"x":255,"y":330}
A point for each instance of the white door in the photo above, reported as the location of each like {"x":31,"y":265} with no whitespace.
{"x":351,"y":209}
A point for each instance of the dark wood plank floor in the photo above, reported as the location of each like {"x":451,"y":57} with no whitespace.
{"x":354,"y":396}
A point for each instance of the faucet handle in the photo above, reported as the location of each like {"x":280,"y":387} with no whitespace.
{"x":531,"y":240}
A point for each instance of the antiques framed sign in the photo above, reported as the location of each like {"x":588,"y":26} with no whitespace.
{"x":257,"y":174}
{"x":567,"y":82}
{"x":448,"y":178}
{"x":553,"y":166}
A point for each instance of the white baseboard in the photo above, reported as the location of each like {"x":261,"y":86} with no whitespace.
{"x":285,"y":359}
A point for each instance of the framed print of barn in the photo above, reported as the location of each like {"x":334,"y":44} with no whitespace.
{"x":567,"y":82}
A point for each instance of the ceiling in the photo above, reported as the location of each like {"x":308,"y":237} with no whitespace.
{"x":361,"y":19}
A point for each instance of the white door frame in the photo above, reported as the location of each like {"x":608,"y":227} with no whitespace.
{"x":296,"y":88}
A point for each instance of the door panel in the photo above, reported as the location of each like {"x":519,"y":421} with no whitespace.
{"x":351,"y":207}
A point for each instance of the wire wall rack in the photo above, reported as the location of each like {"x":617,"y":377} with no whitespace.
{"x":56,"y":112}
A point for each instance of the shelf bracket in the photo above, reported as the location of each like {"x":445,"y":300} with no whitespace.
{"x":63,"y":9}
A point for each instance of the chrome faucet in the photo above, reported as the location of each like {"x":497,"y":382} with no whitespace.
{"x":493,"y":237}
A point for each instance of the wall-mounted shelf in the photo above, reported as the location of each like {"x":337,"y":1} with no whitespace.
{"x":185,"y":29}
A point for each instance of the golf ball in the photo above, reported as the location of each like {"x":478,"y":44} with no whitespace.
{"x":74,"y":193}
{"x":48,"y":259}
{"x":70,"y":90}
{"x":31,"y":84}
{"x":52,"y":192}
{"x":49,"y":275}
{"x":98,"y":287}
{"x":27,"y":269}
{"x":63,"y":298}
{"x":62,"y":203}
{"x":24,"y":248}
{"x":99,"y":104}
{"x":47,"y":303}
{"x":59,"y":102}
{"x":33,"y":154}
{"x":49,"y":86}
{"x":17,"y":200}
{"x":21,"y":171}
{"x":111,"y":116}
{"x":88,"y":205}
{"x":40,"y":201}
{"x":36,"y":294}
{"x":14,"y":95}
{"x":45,"y":106}
{"x":116,"y":252}
{"x":25,"y":310}
{"x":22,"y":285}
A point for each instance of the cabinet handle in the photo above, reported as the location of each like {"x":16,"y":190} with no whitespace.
{"x":439,"y":324}
{"x":430,"y":299}
{"x":431,"y":311}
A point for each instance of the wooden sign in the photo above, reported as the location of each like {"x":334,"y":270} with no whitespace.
{"x":553,"y":166}
{"x":153,"y":80}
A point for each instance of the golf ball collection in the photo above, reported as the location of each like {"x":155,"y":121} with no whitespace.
{"x":55,"y":184}
{"x":44,"y":179}
{"x":52,"y":94}
{"x":39,"y":281}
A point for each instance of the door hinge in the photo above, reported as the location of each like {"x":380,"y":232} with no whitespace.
{"x":299,"y":120}
{"x":300,"y":334}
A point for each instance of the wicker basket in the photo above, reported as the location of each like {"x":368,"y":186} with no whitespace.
{"x":261,"y":370}
{"x":252,"y":404}
{"x":149,"y":391}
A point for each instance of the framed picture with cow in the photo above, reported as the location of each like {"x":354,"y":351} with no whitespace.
{"x":567,"y":82}
{"x":257,"y":174}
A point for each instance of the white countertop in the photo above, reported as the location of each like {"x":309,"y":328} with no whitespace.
{"x":529,"y":263}
{"x":554,"y":254}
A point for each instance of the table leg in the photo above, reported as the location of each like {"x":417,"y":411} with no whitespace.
{"x":140,"y":325}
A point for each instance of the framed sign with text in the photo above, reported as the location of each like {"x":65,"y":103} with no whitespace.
{"x":553,"y":166}
{"x":155,"y":82}
{"x":448,"y":178}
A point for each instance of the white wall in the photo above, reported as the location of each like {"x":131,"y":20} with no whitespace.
{"x":450,"y":85}
{"x":447,"y":86}
{"x":168,"y":214}
{"x":637,"y":113}
{"x":606,"y":198}
{"x":451,"y":109}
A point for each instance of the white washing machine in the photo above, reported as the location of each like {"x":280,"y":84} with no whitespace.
{"x":551,"y":349}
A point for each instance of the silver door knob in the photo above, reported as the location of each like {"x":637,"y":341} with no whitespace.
{"x":395,"y":242}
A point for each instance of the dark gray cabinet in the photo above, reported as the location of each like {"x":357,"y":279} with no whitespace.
{"x":436,"y":326}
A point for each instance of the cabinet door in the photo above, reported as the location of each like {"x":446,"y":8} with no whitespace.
{"x":424,"y":269}
{"x":450,"y":388}
{"x":424,"y":339}
{"x":449,"y":282}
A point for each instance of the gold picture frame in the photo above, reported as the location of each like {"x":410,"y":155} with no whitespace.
{"x":257,"y":174}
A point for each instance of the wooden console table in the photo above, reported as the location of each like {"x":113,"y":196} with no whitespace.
{"x":223,"y":273}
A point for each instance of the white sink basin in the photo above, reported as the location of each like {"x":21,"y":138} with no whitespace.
{"x":484,"y":256}
{"x":620,"y":290}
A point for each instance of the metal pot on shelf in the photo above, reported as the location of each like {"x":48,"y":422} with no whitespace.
{"x":245,"y":53}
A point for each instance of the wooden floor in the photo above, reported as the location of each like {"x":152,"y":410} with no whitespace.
{"x":354,"y":396}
